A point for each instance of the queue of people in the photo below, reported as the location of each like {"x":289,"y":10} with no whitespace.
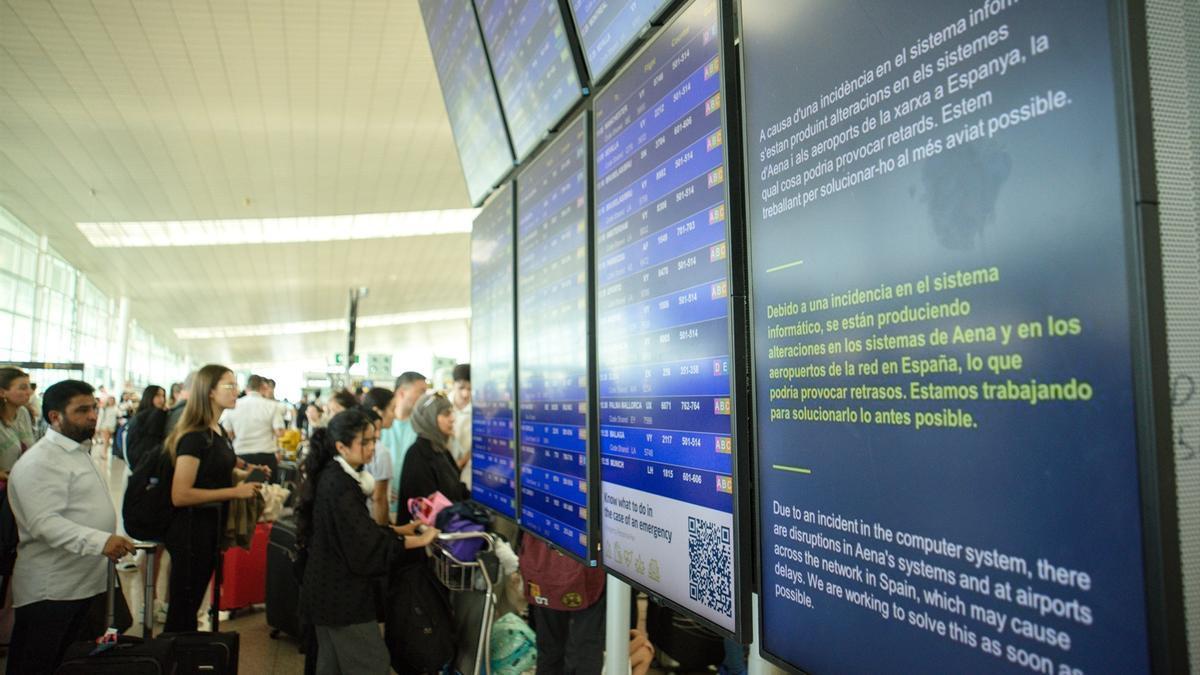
{"x":366,"y":457}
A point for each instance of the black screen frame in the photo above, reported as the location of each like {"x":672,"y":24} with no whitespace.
{"x":1163,"y":587}
{"x":625,"y":53}
{"x":579,"y":63}
{"x":740,"y":368}
{"x":504,"y":176}
{"x":516,"y":403}
{"x":592,"y":451}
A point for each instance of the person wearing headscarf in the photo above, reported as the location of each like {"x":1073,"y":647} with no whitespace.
{"x":429,"y":465}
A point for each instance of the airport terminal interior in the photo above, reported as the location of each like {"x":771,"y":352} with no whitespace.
{"x":577,"y":336}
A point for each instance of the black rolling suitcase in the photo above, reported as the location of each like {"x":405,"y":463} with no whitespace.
{"x":283,"y":589}
{"x":129,"y":655}
{"x":210,"y":653}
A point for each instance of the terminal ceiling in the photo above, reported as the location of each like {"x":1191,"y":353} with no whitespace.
{"x":202,"y":110}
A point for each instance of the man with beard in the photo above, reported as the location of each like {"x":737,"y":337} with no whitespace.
{"x":66,"y":523}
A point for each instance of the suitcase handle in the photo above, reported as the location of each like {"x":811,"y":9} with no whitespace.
{"x":110,"y":597}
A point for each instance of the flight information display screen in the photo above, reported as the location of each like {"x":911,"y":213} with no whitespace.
{"x":607,"y":28}
{"x":663,"y":320}
{"x":552,"y":346}
{"x":470,"y":97}
{"x":535,"y":70}
{"x":493,"y":442}
{"x":942,"y":224}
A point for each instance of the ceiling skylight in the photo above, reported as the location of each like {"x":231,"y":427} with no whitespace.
{"x":277,"y":230}
{"x":321,"y":325}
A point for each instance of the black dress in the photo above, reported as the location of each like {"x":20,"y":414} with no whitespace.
{"x":427,"y":470}
{"x":192,"y":536}
{"x":348,"y":553}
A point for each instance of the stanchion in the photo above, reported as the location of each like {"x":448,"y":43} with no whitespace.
{"x":616,"y":653}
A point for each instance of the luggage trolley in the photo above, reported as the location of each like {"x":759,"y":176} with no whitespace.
{"x":480,"y":574}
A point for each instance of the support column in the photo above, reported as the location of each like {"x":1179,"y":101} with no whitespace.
{"x":118,"y":349}
{"x":77,"y":319}
{"x":40,"y":302}
{"x":616,"y":652}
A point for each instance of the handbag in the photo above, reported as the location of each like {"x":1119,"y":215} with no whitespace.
{"x":426,"y":509}
{"x":463,"y":517}
{"x":463,"y":550}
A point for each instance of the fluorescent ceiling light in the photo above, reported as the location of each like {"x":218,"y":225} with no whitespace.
{"x":277,"y":230}
{"x":321,"y":325}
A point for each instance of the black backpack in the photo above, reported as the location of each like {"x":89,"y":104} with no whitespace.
{"x":147,"y":509}
{"x":419,"y":630}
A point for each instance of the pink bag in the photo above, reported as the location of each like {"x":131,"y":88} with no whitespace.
{"x":426,"y":509}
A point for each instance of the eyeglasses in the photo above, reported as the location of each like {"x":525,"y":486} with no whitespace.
{"x":227,"y":385}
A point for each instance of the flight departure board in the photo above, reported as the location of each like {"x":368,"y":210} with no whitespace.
{"x":663,"y":321}
{"x":552,"y":346}
{"x":535,"y":70}
{"x":493,"y":444}
{"x":607,"y":28}
{"x":471,"y":103}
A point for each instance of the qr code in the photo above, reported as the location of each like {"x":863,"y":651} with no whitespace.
{"x":710,"y":565}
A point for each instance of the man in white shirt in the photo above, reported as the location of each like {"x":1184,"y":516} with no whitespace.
{"x":66,"y":522}
{"x":256,"y":425}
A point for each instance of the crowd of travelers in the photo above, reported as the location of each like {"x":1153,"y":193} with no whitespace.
{"x":366,"y":454}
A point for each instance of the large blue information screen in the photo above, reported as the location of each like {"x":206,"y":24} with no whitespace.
{"x":552,"y":346}
{"x":471,"y":103}
{"x":663,"y":327}
{"x":939,"y":211}
{"x":607,"y":28}
{"x":493,"y":443}
{"x":535,"y":71}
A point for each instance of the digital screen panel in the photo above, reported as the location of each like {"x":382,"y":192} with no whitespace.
{"x":535,"y":70}
{"x":493,"y":441}
{"x":552,"y":347}
{"x":948,"y":466}
{"x":663,"y":320}
{"x":606,"y":29}
{"x":470,"y":97}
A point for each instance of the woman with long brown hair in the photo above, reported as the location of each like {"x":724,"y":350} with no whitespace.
{"x":16,"y":424}
{"x":204,"y":475}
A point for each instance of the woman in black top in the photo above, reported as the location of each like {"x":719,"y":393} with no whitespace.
{"x":204,"y":476}
{"x":346,"y":552}
{"x":429,"y":465}
{"x":147,"y":428}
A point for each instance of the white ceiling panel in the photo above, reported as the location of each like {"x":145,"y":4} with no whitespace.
{"x":174,"y":110}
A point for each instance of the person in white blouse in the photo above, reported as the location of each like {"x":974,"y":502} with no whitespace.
{"x":67,"y":524}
